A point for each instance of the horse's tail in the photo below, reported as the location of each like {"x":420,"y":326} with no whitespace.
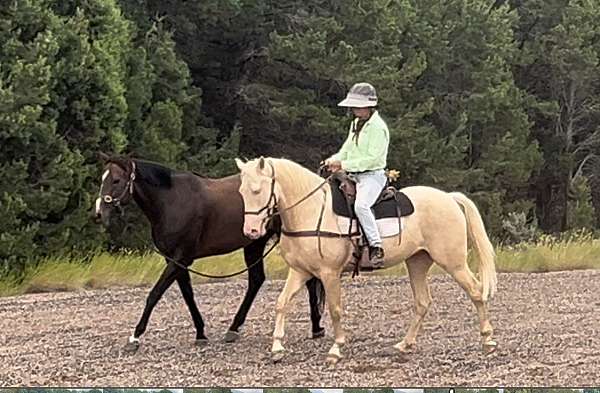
{"x":482,"y":245}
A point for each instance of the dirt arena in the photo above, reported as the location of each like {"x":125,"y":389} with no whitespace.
{"x":546,"y":325}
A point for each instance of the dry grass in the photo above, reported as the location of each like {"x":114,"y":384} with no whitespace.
{"x":103,"y":270}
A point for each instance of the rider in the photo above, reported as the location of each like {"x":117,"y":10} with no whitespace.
{"x":364,"y":155}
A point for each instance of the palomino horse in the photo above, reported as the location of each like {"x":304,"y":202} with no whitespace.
{"x":435,"y":232}
{"x":191,"y":217}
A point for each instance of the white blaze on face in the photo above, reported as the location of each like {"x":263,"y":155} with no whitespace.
{"x":104,"y":175}
{"x":98,"y":201}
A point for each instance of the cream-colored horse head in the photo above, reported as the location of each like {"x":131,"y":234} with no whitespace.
{"x":258,"y":191}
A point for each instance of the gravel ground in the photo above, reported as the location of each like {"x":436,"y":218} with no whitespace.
{"x":546,"y":325}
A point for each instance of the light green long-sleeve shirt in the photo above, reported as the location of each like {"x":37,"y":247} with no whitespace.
{"x":370,"y":153}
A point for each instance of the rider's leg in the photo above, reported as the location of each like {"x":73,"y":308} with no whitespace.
{"x":368,"y":188}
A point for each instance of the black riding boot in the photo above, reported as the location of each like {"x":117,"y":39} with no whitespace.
{"x":376,"y":257}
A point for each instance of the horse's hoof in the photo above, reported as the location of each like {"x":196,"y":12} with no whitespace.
{"x":490,"y":347}
{"x":131,"y":347}
{"x":276,"y":357}
{"x":133,"y":344}
{"x":319,"y":333}
{"x":201,"y":342}
{"x":332,"y":359}
{"x":231,"y":336}
{"x":404,"y":348}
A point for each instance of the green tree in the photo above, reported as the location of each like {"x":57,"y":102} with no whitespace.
{"x":77,"y":77}
{"x":166,"y":120}
{"x":559,"y":67}
{"x":39,"y":170}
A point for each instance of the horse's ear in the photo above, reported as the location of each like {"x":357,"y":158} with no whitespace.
{"x":103,"y":157}
{"x":261,"y":163}
{"x":239,"y":163}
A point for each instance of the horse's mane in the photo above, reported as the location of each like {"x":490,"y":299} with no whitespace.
{"x":156,"y":175}
{"x":302,"y":177}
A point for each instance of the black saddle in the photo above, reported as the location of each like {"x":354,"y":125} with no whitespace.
{"x":391,"y":202}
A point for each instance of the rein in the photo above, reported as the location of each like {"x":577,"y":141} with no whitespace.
{"x":172,"y":260}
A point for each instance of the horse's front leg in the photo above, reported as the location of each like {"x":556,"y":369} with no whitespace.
{"x":185,"y":285}
{"x":331,"y":282}
{"x":294,"y":282}
{"x":164,"y":282}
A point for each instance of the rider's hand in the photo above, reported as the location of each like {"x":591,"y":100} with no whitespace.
{"x":334,"y":165}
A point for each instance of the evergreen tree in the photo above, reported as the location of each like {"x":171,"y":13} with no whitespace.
{"x":559,"y":67}
{"x":76,"y":78}
{"x":40,"y":173}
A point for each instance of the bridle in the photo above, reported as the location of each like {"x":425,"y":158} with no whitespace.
{"x":116,"y":201}
{"x":272,"y":210}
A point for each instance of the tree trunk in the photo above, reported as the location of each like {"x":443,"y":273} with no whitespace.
{"x":551,"y":203}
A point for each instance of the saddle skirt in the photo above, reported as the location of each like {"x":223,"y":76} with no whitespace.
{"x":390,"y":207}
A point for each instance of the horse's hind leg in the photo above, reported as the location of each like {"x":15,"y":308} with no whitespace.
{"x":185,"y":285}
{"x":295,"y":281}
{"x":463,"y":275}
{"x":316,"y":297}
{"x":417,"y":265}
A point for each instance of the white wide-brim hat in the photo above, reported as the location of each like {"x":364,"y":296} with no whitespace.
{"x":361,"y":95}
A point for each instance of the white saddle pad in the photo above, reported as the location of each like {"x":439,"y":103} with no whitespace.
{"x":388,"y":227}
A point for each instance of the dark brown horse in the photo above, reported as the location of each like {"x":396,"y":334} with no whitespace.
{"x":191,"y":217}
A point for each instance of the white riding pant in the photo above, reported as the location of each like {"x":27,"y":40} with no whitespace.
{"x":368,"y":188}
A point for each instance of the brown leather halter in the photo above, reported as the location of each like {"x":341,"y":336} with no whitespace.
{"x":110,"y":200}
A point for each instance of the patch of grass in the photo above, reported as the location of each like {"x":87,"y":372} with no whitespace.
{"x":129,"y":269}
{"x":56,"y":275}
{"x":579,"y":250}
{"x":10,"y":285}
{"x":103,"y":270}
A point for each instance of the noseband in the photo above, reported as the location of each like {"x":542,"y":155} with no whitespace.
{"x":271,"y":209}
{"x":116,"y":201}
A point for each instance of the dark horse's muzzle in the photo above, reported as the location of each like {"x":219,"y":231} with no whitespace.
{"x":103,"y":212}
